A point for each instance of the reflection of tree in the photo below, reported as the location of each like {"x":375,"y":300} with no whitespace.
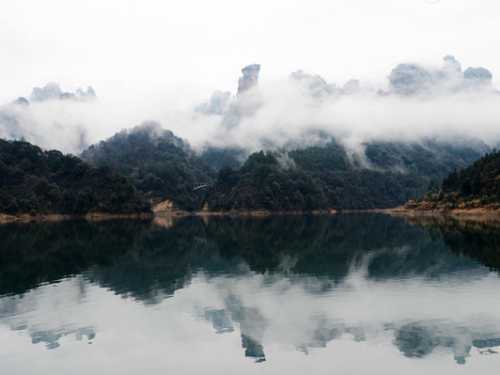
{"x":148,"y":262}
{"x":476,"y":242}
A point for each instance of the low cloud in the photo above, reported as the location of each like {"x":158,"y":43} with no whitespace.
{"x":418,"y":102}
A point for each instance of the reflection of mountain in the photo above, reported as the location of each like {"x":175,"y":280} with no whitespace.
{"x":479,"y":243}
{"x":16,"y":311}
{"x":145,"y":261}
{"x":251,"y":323}
{"x":220,"y":320}
{"x":419,"y":340}
{"x":51,"y":338}
{"x":252,"y":326}
{"x":260,"y":271}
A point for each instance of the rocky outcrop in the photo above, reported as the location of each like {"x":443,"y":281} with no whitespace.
{"x":410,"y":79}
{"x":249,"y":79}
{"x":52,"y":91}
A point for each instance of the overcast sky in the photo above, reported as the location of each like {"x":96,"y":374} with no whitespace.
{"x":149,"y":46}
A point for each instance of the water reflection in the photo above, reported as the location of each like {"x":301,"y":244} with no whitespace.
{"x":277,"y":286}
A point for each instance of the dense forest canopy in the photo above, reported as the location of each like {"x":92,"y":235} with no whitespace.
{"x":384,"y":174}
{"x":322,"y":177}
{"x":311,"y":162}
{"x":37,"y":181}
{"x":161,"y":165}
{"x":475,"y":186}
{"x":480,"y":180}
{"x":262,"y":183}
{"x":149,"y":164}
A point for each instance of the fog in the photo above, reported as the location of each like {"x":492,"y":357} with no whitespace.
{"x":412,"y":103}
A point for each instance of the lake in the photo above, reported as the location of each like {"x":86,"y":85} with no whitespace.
{"x":344,"y":294}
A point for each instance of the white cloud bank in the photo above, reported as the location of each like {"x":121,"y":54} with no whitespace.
{"x":419,"y":102}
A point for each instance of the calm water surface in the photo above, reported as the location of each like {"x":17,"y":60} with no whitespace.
{"x":350,"y":294}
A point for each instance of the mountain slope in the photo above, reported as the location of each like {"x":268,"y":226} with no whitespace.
{"x":323,"y":177}
{"x":263,"y":184}
{"x":37,"y":181}
{"x":476,"y":186}
{"x":160,"y":165}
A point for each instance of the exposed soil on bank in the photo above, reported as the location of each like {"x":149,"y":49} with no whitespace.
{"x":477,"y":214}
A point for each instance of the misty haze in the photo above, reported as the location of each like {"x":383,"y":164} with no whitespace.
{"x":249,"y":187}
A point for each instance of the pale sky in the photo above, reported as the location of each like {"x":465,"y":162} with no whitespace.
{"x":147,"y":46}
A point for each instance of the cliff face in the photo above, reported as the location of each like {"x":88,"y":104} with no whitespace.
{"x":249,"y":79}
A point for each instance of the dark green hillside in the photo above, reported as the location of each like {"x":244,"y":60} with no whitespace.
{"x":321,"y":177}
{"x":262,"y":183}
{"x":227,"y":157}
{"x":383,"y":174}
{"x":161,"y":165}
{"x":475,"y":186}
{"x":37,"y":181}
{"x":479,"y":181}
{"x":429,"y":158}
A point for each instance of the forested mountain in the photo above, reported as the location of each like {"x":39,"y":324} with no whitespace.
{"x":157,"y":165}
{"x":480,"y":180}
{"x":223,"y":157}
{"x":37,"y":181}
{"x":321,"y":177}
{"x":475,"y":186}
{"x":160,"y":165}
{"x":262,"y":183}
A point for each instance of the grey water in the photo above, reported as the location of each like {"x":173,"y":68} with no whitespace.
{"x":345,"y":294}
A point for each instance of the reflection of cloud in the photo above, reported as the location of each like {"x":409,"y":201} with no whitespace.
{"x":271,"y":311}
{"x":295,"y":312}
{"x":420,"y":103}
{"x":18,"y":312}
{"x":345,"y":301}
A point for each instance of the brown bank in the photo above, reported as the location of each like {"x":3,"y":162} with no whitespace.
{"x":466,"y":211}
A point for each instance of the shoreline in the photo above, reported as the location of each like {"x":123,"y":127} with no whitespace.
{"x":477,"y":214}
{"x":468,"y":214}
{"x":93,"y":216}
{"x":101,"y":216}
